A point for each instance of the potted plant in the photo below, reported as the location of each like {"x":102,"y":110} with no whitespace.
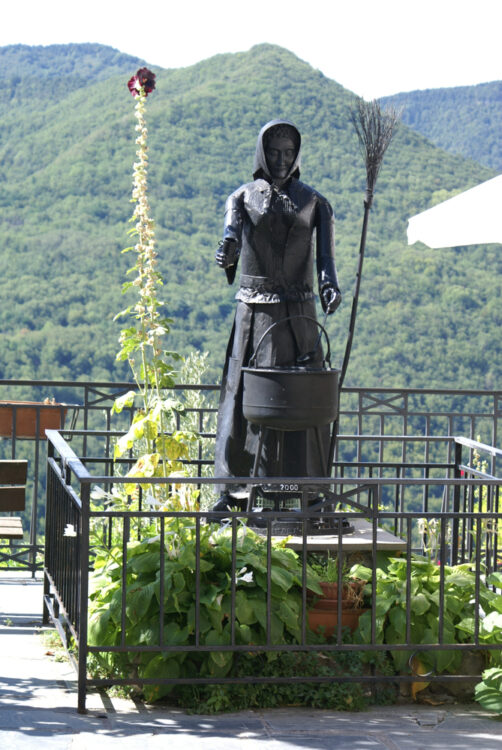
{"x":323,"y":612}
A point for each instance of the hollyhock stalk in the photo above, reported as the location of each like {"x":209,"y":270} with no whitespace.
{"x":145,"y":338}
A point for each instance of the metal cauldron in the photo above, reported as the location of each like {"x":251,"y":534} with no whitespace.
{"x":290,"y":398}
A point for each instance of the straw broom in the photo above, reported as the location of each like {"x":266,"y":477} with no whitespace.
{"x":375,"y":129}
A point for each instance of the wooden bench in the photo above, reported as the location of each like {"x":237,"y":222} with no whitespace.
{"x":12,"y":497}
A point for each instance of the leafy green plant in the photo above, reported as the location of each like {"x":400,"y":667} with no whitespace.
{"x":332,"y":694}
{"x":489,"y":691}
{"x":143,"y":601}
{"x":458,"y":621}
{"x":327,"y":568}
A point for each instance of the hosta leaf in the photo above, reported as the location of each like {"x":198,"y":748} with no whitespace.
{"x":489,"y":692}
{"x":138,"y":599}
{"x":147,"y":562}
{"x":288,"y":616}
{"x":99,"y":632}
{"x":419,"y":604}
{"x":174,"y":635}
{"x":244,"y":609}
{"x":397,"y":617}
{"x":282,"y":578}
{"x":492,"y":623}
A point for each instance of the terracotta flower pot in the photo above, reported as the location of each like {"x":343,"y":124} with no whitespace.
{"x":350,"y":590}
{"x":323,"y":616}
{"x":326,"y":622}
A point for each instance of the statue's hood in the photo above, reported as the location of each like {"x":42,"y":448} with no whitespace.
{"x":260,"y":168}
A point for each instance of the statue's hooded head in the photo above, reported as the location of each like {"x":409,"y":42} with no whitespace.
{"x":277,"y":156}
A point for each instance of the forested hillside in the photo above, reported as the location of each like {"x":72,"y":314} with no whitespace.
{"x":464,"y":120}
{"x":427,"y":317}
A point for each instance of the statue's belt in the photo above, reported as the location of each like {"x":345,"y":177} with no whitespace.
{"x":265,"y":284}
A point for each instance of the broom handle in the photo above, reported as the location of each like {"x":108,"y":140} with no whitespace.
{"x":353,"y":313}
{"x":334,"y":430}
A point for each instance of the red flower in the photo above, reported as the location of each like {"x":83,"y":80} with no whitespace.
{"x":144,"y":79}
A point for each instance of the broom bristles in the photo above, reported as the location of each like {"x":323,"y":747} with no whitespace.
{"x":375,"y":128}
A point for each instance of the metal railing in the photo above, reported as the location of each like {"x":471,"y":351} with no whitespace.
{"x":461,"y":527}
{"x":382,"y":430}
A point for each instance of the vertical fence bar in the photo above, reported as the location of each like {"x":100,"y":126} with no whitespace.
{"x":425,"y":497}
{"x":495,"y":412}
{"x":456,"y":503}
{"x":304,"y":576}
{"x":83,"y":597}
{"x":233,"y":580}
{"x":197,"y":581}
{"x":408,"y":579}
{"x":125,"y":539}
{"x":162,"y":578}
{"x":269,"y":582}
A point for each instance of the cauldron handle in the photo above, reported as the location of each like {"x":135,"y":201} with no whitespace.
{"x":327,"y":358}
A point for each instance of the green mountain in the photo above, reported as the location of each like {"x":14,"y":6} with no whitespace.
{"x":426,"y":317}
{"x":464,"y":120}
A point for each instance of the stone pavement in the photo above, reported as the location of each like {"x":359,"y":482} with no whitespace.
{"x":38,"y":709}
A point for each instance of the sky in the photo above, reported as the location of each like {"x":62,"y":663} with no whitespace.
{"x":371,"y":47}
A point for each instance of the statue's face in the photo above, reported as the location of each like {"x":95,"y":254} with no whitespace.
{"x":280,"y":154}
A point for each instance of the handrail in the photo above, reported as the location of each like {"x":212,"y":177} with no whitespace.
{"x":479,"y":446}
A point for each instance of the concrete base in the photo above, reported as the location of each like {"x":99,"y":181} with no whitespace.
{"x":360,"y":540}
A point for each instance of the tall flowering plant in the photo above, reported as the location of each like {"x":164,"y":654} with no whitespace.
{"x":142,"y":342}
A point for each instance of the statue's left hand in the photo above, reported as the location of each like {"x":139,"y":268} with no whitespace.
{"x":330,"y":299}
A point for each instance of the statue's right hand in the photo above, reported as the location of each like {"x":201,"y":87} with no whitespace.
{"x":226,"y":254}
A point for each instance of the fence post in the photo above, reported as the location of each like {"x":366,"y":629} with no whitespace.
{"x":83,"y":599}
{"x":456,"y":504}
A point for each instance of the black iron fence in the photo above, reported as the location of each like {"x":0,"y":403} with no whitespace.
{"x":158,"y":597}
{"x":385,"y":431}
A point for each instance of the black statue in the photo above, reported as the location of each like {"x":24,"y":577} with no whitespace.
{"x":269,"y":229}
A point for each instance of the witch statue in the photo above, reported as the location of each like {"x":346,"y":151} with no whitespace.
{"x":269,"y":229}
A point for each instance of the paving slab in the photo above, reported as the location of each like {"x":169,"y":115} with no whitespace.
{"x":38,"y":700}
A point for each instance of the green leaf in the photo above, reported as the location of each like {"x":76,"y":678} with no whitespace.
{"x":495,"y":579}
{"x":244,"y":609}
{"x":419,"y":605}
{"x":364,"y":628}
{"x":138,"y":599}
{"x":147,"y":562}
{"x":174,"y":635}
{"x":466,"y":625}
{"x":205,"y":623}
{"x":444,"y":660}
{"x":401,"y":660}
{"x":383,"y":604}
{"x":492,"y":623}
{"x":289,"y":617}
{"x":282,"y":577}
{"x":98,"y":632}
{"x":397,"y":618}
{"x":159,"y":667}
{"x":453,"y":604}
{"x":489,"y":692}
{"x":124,"y":401}
{"x":178,"y":582}
{"x":243,"y":634}
{"x":209,"y":595}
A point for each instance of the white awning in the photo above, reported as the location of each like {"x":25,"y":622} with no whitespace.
{"x":470,"y":218}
